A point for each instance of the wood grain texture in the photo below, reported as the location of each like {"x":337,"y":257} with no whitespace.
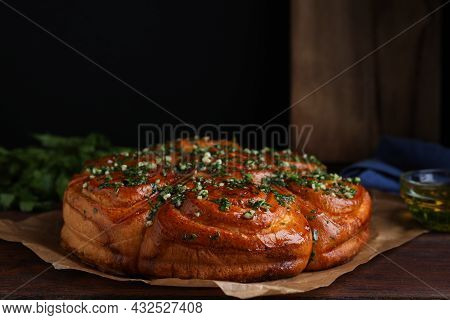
{"x":427,"y":258}
{"x":395,"y":91}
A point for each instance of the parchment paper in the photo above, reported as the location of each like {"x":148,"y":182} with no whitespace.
{"x":391,"y":227}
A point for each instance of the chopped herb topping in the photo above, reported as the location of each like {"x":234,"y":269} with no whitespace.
{"x":205,"y":164}
{"x":233,"y":183}
{"x":256,"y":204}
{"x":202,"y":194}
{"x":224,"y":204}
{"x":283,"y":199}
{"x":249,"y":214}
{"x":176,"y":194}
{"x":115,"y":185}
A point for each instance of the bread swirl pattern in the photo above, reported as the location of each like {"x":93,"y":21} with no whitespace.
{"x":211,"y":210}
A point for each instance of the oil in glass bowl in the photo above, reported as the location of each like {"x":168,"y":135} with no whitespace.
{"x":427,"y":195}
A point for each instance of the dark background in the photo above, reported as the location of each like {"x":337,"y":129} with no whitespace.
{"x":205,"y":61}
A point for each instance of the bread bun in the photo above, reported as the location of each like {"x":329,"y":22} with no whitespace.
{"x":211,"y":210}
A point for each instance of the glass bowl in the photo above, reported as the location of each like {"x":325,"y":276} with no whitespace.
{"x":427,"y":195}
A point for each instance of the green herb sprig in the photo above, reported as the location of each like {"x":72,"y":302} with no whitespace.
{"x":34,"y":178}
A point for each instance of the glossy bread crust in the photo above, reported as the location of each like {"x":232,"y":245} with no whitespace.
{"x":185,"y":219}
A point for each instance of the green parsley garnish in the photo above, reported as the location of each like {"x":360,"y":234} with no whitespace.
{"x":224,"y":204}
{"x":34,"y":178}
{"x":283,"y":199}
{"x":256,"y":204}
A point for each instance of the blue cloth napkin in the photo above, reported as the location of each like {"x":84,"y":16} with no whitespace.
{"x":394,"y":156}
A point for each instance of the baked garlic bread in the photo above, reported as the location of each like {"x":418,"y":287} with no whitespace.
{"x":211,"y":210}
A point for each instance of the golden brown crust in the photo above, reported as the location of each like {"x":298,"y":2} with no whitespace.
{"x":241,"y":253}
{"x":340,"y":254}
{"x":254,"y":234}
{"x":339,"y":226}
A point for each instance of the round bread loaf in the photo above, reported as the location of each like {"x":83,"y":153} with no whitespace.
{"x":211,"y":210}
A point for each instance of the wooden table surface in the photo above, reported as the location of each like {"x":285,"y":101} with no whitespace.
{"x":419,"y":269}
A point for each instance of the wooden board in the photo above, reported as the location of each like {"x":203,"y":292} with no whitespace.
{"x":395,"y":91}
{"x":426,"y":259}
